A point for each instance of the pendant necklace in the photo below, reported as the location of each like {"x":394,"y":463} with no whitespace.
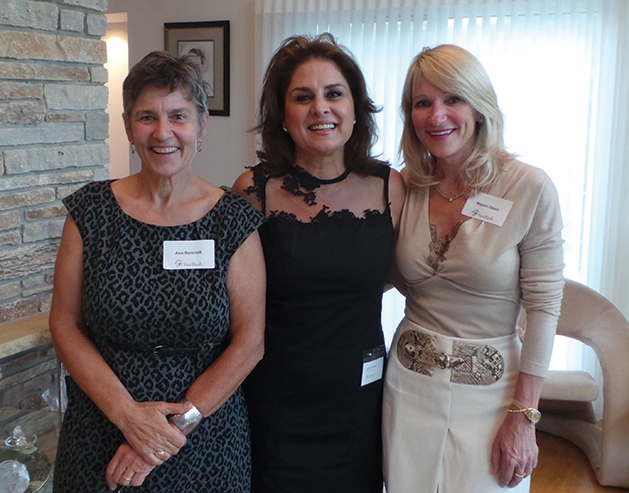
{"x":453,"y":196}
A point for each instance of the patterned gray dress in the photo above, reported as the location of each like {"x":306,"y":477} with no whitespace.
{"x":131,"y":305}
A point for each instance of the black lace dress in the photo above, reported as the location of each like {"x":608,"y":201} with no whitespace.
{"x":314,"y":427}
{"x":132,"y":304}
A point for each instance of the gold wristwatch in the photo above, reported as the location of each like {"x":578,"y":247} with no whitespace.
{"x":531,"y":413}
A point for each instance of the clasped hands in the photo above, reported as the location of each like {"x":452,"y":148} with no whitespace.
{"x":150,"y":441}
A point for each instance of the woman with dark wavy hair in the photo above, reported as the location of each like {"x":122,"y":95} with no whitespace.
{"x":278,"y":148}
{"x":332,"y":214}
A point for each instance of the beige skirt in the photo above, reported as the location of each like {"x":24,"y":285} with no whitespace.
{"x":441,"y":413}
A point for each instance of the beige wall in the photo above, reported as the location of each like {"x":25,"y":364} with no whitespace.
{"x":228,"y":147}
{"x":117,"y":69}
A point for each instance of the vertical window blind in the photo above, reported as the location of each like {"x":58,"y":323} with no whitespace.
{"x":561,"y":72}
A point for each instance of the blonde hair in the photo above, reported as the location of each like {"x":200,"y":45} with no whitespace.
{"x":455,"y":70}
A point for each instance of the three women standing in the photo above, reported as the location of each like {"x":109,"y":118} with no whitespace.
{"x":479,"y":238}
{"x":332,"y":213}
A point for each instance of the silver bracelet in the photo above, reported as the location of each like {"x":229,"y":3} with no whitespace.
{"x":188,"y":421}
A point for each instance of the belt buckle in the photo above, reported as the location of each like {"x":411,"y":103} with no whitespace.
{"x":442,"y":361}
{"x":471,"y":364}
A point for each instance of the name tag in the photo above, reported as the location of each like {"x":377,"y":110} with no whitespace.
{"x":195,"y":254}
{"x":373,"y":365}
{"x":487,"y":208}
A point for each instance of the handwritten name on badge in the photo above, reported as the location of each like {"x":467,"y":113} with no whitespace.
{"x":487,"y":208}
{"x":373,"y":365}
{"x":194,"y":254}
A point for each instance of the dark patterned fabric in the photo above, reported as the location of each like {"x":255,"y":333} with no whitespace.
{"x":130,"y":301}
{"x":314,"y":427}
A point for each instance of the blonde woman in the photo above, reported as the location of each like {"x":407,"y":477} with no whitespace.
{"x":480,"y":238}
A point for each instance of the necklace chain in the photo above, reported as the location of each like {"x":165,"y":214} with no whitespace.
{"x":453,"y":196}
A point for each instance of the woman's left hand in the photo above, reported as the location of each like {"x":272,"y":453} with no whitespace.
{"x":147,"y":430}
{"x":514,"y":451}
{"x":126,"y":468}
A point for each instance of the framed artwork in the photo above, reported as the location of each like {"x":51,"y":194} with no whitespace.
{"x":210,"y":41}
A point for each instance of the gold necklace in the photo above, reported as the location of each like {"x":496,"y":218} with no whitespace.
{"x":454,"y":196}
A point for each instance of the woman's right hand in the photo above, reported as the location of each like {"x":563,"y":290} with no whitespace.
{"x":126,"y":468}
{"x":148,"y":432}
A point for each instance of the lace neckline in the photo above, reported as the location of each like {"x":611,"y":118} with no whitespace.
{"x":326,"y":215}
{"x":302,"y":184}
{"x":439,"y":247}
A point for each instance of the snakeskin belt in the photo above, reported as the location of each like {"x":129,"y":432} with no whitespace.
{"x":470,"y":364}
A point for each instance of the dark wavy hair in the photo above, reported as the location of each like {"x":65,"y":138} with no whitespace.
{"x":277,"y":147}
{"x":163,"y":70}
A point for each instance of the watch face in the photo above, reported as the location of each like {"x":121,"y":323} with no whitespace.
{"x":535,"y":416}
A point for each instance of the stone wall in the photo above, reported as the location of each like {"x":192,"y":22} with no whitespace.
{"x":53,"y":127}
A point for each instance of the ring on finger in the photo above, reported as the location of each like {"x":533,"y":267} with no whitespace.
{"x":160,"y":453}
{"x":128,"y":480}
{"x":520,"y":476}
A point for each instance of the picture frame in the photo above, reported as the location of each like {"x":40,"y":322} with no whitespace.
{"x":211,"y":41}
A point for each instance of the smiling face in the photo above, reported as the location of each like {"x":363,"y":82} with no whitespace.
{"x":164,"y":128}
{"x":318,"y":111}
{"x":445,"y":123}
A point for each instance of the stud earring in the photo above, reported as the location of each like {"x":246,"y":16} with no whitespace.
{"x":285,"y":129}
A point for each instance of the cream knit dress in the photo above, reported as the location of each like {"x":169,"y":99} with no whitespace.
{"x":438,"y":432}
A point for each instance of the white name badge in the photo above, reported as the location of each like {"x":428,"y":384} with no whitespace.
{"x":373,"y":365}
{"x":194,"y":254}
{"x":372,"y":371}
{"x":487,"y":208}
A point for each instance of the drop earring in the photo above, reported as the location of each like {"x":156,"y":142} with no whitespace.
{"x":199,"y":146}
{"x":132,"y":148}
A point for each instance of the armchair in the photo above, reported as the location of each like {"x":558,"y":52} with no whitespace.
{"x":566,"y":400}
